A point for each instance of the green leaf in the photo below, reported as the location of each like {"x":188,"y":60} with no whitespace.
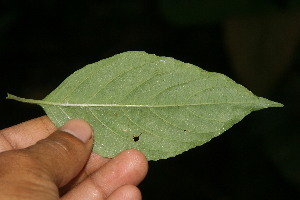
{"x":158,"y":105}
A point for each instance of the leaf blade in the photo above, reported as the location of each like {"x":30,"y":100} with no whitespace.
{"x":174,"y":105}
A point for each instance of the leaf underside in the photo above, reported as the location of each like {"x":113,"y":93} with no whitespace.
{"x":158,"y":105}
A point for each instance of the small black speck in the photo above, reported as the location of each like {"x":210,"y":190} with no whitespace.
{"x":136,"y":137}
{"x":184,"y":130}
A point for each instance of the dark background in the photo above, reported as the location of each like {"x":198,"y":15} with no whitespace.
{"x":254,"y":42}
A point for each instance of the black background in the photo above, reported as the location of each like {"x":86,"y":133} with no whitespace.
{"x":42,"y":42}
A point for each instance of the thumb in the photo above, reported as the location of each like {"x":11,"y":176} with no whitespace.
{"x":50,"y":163}
{"x":64,"y":153}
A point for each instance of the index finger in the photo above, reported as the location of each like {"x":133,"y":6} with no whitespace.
{"x":26,"y":133}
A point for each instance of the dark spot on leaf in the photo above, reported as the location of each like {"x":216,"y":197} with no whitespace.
{"x":136,"y":137}
{"x":184,"y":130}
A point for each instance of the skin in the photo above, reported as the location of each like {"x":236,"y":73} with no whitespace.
{"x":39,"y":161}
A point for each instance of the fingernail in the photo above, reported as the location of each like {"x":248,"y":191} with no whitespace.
{"x":78,"y":128}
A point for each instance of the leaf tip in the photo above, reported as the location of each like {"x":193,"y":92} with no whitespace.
{"x":275,"y":104}
{"x":278,"y":104}
{"x":266,"y":103}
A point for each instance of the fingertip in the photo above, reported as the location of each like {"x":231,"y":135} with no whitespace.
{"x":136,"y":161}
{"x":137,"y":156}
{"x":126,"y":192}
{"x":78,"y":128}
{"x":127,"y":169}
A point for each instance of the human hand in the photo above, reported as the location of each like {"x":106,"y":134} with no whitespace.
{"x":38,"y":161}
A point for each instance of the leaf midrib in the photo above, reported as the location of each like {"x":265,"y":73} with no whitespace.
{"x":42,"y":102}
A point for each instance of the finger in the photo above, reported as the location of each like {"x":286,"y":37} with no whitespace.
{"x":26,"y":133}
{"x":50,"y":163}
{"x":126,"y":192}
{"x":29,"y":132}
{"x":94,"y":163}
{"x":127,"y":168}
{"x":62,"y":154}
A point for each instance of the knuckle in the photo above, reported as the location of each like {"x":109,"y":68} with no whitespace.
{"x":63,"y":147}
